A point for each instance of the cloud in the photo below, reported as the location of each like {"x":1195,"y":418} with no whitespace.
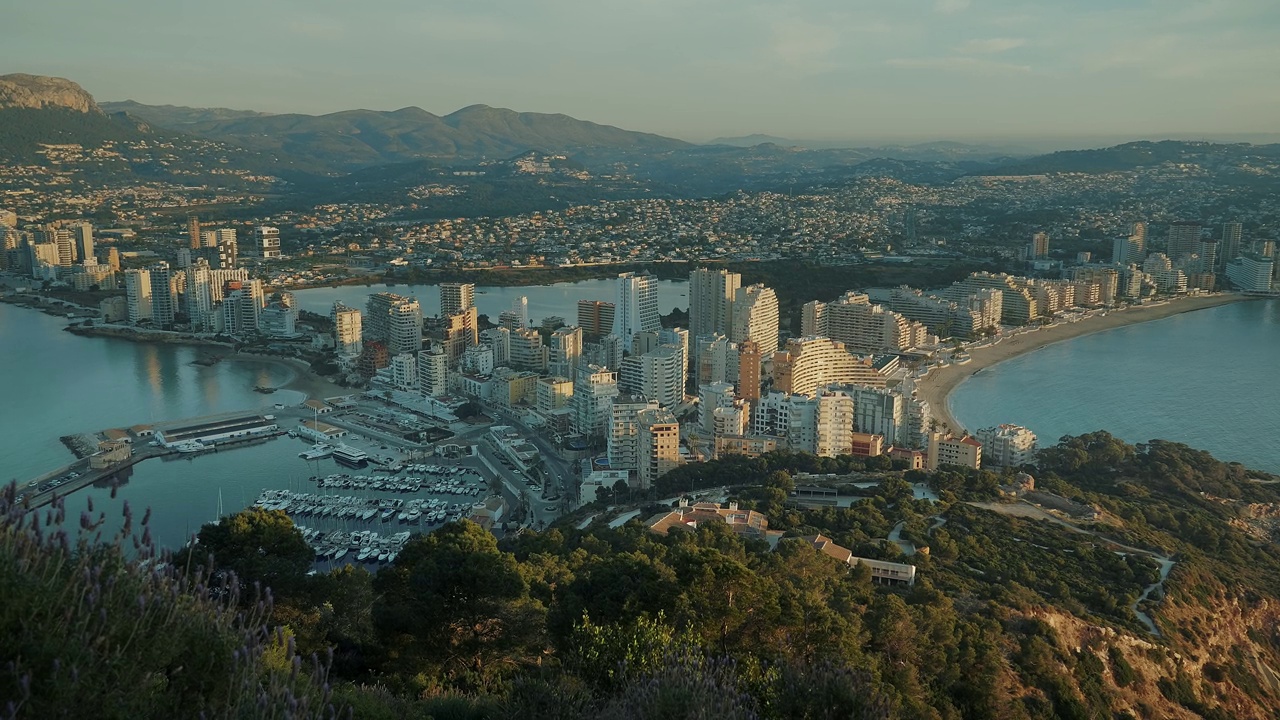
{"x":950,"y":7}
{"x":959,"y":63}
{"x":990,"y":46}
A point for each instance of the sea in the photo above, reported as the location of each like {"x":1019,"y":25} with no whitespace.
{"x":56,"y":384}
{"x":1208,"y":378}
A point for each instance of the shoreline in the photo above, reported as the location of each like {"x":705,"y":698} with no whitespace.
{"x":301,"y":379}
{"x":936,"y":387}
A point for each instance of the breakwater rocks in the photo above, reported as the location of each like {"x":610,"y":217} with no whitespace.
{"x":144,"y":336}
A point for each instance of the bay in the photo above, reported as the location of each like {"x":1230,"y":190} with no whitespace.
{"x":1209,"y":378}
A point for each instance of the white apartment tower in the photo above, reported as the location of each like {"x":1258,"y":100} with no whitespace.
{"x":266,"y":242}
{"x":711,"y":295}
{"x":755,"y":317}
{"x":346,"y":330}
{"x":163,"y":305}
{"x":1007,"y":446}
{"x":456,"y":297}
{"x":137,"y":287}
{"x":637,"y":305}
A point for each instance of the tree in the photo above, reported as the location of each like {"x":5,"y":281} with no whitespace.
{"x":258,"y":546}
{"x":454,"y":603}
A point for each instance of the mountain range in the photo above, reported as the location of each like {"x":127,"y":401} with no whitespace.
{"x":38,"y":110}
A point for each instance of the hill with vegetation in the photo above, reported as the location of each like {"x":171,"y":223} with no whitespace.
{"x":1017,"y":612}
{"x":1241,"y":160}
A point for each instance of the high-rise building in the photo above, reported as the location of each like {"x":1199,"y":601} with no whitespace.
{"x":433,"y":372}
{"x":961,"y":316}
{"x":863,"y":327}
{"x":710,"y":397}
{"x":527,"y":351}
{"x":404,"y":328}
{"x":624,"y":431}
{"x":1007,"y":446}
{"x":377,"y":317}
{"x":565,"y":351}
{"x":456,"y":297}
{"x":228,"y":249}
{"x":637,"y":307}
{"x":163,"y":304}
{"x":593,"y":391}
{"x":711,"y":296}
{"x":750,"y":361}
{"x":499,"y":339}
{"x":717,"y":360}
{"x":659,"y":443}
{"x":137,"y":287}
{"x":66,"y":247}
{"x":658,"y":375}
{"x":82,"y":238}
{"x":199,"y":298}
{"x":111,"y":256}
{"x":266,"y":242}
{"x":1184,"y":239}
{"x":755,"y":317}
{"x":1208,"y":253}
{"x":1232,"y":237}
{"x":193,"y":231}
{"x":242,"y":305}
{"x":1038,"y":247}
{"x":595,"y":317}
{"x":809,"y":363}
{"x":1017,"y":304}
{"x":520,"y":307}
{"x":346,"y":329}
{"x":1251,"y":272}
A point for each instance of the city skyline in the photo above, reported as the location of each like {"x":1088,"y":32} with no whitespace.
{"x":950,"y":69}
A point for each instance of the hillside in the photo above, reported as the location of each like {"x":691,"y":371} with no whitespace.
{"x":361,"y":138}
{"x":176,"y":116}
{"x":1173,"y":154}
{"x":1162,"y":602}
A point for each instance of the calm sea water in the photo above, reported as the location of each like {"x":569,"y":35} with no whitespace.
{"x":56,"y":384}
{"x":1210,"y":379}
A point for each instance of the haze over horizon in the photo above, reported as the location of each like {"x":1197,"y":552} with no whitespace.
{"x":813,"y":70}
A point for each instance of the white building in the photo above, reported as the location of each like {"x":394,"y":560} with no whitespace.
{"x":659,"y":375}
{"x":1007,"y":446}
{"x":199,"y":297}
{"x":347,"y":328}
{"x":624,"y":431}
{"x":711,"y":294}
{"x":478,"y":360}
{"x":593,"y":391}
{"x":404,"y":372}
{"x":710,"y":397}
{"x":456,"y":297}
{"x":637,"y":304}
{"x":137,"y":287}
{"x":266,"y":241}
{"x":1251,"y":273}
{"x":433,"y":372}
{"x":755,"y":317}
{"x":404,"y":327}
{"x":163,"y":304}
{"x":564,"y":352}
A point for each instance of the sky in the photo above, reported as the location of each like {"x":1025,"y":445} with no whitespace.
{"x":868,"y":70}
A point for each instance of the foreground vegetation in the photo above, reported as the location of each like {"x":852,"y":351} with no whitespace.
{"x":1011,"y":617}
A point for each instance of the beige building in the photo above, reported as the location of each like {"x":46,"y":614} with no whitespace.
{"x":659,"y":446}
{"x":810,"y":363}
{"x":554,"y":393}
{"x":964,"y":451}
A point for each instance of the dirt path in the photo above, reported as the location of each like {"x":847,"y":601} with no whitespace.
{"x":1024,"y":510}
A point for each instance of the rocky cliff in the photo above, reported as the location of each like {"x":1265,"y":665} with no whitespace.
{"x":38,"y":92}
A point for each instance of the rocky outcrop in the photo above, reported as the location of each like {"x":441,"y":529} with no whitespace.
{"x":39,"y":92}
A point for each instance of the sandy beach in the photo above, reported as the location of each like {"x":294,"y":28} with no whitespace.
{"x":937,"y":386}
{"x":301,"y":380}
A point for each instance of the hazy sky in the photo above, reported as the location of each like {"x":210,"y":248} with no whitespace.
{"x":813,"y":69}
